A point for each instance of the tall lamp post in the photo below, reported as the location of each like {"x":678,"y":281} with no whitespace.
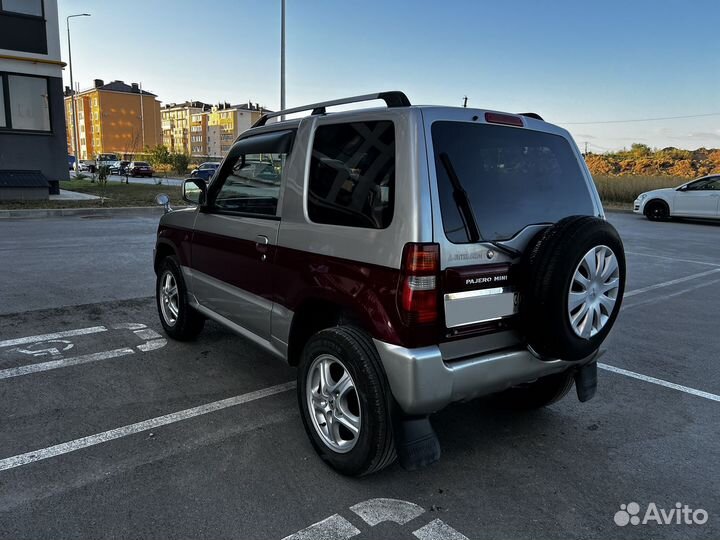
{"x":72,"y":90}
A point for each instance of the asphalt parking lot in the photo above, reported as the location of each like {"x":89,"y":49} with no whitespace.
{"x":107,"y":430}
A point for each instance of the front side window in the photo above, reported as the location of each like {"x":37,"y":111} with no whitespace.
{"x":253,"y":185}
{"x":29,"y":109}
{"x":352,"y":175}
{"x":26,"y":7}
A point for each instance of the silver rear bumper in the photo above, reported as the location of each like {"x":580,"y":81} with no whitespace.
{"x":422,"y":382}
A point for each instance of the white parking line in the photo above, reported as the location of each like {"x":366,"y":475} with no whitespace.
{"x":675,"y":259}
{"x":652,"y":300}
{"x":65,"y":362}
{"x":671,"y":282}
{"x":660,"y":382}
{"x":56,"y":335}
{"x":106,"y":436}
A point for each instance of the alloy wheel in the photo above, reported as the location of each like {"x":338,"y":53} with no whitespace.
{"x":169,"y":298}
{"x":332,"y":400}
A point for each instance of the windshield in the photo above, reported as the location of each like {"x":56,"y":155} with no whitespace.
{"x":513,"y":178}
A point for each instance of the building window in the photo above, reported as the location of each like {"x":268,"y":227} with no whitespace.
{"x":27,"y":7}
{"x":3,"y":122}
{"x":28,"y":103}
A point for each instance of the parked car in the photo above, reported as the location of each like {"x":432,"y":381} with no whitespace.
{"x":86,"y":166}
{"x":139,"y":168}
{"x":205,"y":171}
{"x":403,"y":259}
{"x":118,"y":167}
{"x":697,"y":199}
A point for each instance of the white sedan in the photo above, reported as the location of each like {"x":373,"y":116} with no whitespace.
{"x":697,"y":199}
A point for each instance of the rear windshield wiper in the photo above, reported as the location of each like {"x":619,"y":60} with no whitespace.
{"x":461,"y":200}
{"x":466,"y":210}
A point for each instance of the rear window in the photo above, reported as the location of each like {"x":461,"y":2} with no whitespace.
{"x":514,"y":177}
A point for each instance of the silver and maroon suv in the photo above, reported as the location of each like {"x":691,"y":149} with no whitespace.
{"x":403,"y":258}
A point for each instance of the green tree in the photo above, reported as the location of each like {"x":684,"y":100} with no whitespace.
{"x":180,"y":163}
{"x":160,"y":155}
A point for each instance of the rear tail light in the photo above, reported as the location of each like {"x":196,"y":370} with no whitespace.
{"x":507,"y":119}
{"x":418,"y":291}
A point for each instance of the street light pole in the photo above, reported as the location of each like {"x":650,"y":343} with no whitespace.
{"x":72,"y":90}
{"x":282,"y":57}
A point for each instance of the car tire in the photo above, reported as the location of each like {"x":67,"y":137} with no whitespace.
{"x":657,"y":210}
{"x":350,"y":362}
{"x":537,"y":394}
{"x":177,"y":316}
{"x":572,"y":284}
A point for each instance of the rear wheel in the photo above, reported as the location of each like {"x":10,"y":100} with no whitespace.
{"x":345,"y":402}
{"x":178,"y":318}
{"x":540,"y":393}
{"x":657,"y":211}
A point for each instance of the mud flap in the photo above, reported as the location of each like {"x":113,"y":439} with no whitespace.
{"x":586,"y":382}
{"x":416,"y":443}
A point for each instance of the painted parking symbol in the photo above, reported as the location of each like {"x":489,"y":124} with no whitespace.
{"x":373,"y":512}
{"x":55,"y":345}
{"x":51,"y":347}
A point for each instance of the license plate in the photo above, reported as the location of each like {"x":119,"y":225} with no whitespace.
{"x":473,"y":307}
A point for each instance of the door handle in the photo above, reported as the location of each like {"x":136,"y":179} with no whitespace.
{"x":261,"y":245}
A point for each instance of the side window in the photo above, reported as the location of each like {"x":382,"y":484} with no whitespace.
{"x":253,"y":185}
{"x":713,"y":185}
{"x":698,"y":185}
{"x":352,"y":175}
{"x":250,"y":178}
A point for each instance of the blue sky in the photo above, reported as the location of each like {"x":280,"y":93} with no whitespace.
{"x":569,"y":61}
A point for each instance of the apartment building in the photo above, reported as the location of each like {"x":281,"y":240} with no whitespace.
{"x":225,"y":122}
{"x":116,"y":118}
{"x":198,"y":134}
{"x":32,"y":127}
{"x":176,"y":125}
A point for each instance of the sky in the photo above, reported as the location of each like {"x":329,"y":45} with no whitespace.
{"x":583,"y":65}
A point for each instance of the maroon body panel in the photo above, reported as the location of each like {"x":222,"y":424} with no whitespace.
{"x":469,"y":278}
{"x":235,"y":261}
{"x":295,"y":277}
{"x":178,"y":239}
{"x":369,"y":291}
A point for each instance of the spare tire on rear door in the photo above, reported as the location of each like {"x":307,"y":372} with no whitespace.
{"x":572,"y":287}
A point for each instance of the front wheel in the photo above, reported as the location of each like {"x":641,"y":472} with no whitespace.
{"x":657,"y":211}
{"x":345,"y":402}
{"x":178,"y":318}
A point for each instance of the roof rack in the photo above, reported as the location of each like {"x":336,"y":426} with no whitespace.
{"x":392,"y":99}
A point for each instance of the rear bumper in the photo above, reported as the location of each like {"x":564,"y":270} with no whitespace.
{"x":422,"y":382}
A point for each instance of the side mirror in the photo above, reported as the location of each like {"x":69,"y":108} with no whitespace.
{"x":682,"y":188}
{"x":194,"y":191}
{"x":162,"y":199}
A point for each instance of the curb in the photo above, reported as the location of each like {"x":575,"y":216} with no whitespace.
{"x":83,"y":212}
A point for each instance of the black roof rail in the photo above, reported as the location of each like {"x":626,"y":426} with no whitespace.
{"x":536,"y":116}
{"x":393,"y":98}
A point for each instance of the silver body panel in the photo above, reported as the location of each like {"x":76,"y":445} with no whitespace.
{"x":422,"y":382}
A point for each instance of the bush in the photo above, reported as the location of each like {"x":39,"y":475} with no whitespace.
{"x":180,"y":163}
{"x":625,"y":189}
